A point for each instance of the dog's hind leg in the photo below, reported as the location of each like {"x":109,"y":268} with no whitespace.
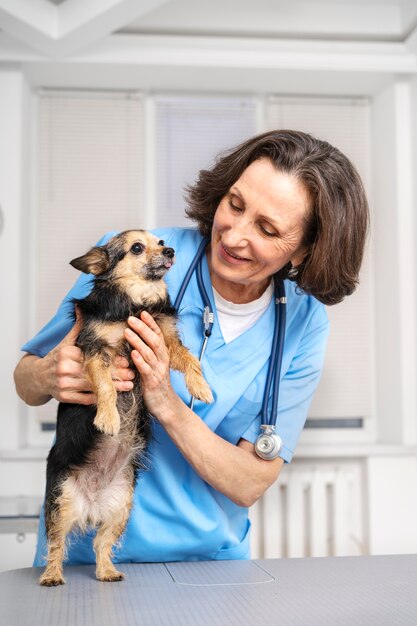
{"x":61,"y":522}
{"x":107,"y":535}
{"x":107,"y":418}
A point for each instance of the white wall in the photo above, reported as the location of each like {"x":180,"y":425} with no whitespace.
{"x":14,"y":152}
{"x":394,"y":198}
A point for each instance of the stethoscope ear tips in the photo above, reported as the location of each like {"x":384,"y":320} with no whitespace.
{"x":268,"y":445}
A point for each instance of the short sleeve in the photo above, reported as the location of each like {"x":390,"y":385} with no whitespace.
{"x":298,"y":386}
{"x":62,"y":322}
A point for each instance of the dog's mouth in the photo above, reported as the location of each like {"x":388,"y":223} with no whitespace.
{"x":158,"y":267}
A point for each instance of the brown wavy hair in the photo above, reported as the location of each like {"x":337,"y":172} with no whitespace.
{"x":337,"y":224}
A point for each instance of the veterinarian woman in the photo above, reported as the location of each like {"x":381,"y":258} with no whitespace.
{"x":284,"y":204}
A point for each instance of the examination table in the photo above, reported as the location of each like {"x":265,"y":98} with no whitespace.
{"x":351,"y":591}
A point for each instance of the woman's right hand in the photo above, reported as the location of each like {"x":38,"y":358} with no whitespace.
{"x":60,"y":374}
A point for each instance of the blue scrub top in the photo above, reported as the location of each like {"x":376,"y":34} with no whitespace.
{"x":176,"y":515}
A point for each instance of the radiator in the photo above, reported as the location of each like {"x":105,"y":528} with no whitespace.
{"x":312,"y":510}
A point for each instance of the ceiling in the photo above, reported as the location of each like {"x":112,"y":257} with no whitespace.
{"x":387,"y":20}
{"x":61,"y":28}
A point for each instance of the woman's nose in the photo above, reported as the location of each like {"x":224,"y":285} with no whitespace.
{"x":239,"y":232}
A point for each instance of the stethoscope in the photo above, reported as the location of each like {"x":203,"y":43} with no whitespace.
{"x":268,"y":444}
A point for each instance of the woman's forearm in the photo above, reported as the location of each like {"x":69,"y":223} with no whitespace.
{"x":30,"y":380}
{"x":235,"y":471}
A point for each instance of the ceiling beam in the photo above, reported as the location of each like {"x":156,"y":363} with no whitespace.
{"x":135,"y":51}
{"x":34,"y":23}
{"x":61,"y":31}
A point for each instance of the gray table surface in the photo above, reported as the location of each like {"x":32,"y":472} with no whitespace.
{"x":356,"y":591}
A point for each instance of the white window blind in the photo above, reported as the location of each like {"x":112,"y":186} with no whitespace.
{"x":90,"y":182}
{"x":346,"y":388}
{"x":190,"y":132}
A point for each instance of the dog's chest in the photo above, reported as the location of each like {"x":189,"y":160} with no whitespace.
{"x":111,"y":333}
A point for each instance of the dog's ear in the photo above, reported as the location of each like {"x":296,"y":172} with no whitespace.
{"x":96,"y":261}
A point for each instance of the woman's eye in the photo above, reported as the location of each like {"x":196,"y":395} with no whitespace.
{"x":234,"y":207}
{"x":137,"y":248}
{"x":267,"y":232}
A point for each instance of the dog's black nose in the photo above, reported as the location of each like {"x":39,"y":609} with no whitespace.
{"x":169,"y":252}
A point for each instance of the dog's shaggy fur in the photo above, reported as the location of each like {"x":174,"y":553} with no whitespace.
{"x":93,"y":465}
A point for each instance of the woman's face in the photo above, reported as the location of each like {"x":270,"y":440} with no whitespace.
{"x":257,"y":229}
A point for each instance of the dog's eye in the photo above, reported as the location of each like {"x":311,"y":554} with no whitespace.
{"x":161,"y":242}
{"x":137,"y":248}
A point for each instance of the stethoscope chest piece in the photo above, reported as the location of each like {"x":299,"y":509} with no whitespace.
{"x":268,"y":444}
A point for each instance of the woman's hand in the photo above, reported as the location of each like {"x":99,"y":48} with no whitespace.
{"x":60,"y":374}
{"x":65,"y":370}
{"x":150,"y":357}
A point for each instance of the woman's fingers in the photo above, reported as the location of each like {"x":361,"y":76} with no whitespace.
{"x":84,"y":398}
{"x":142,"y":365}
{"x":120,"y":370}
{"x":149,"y":354}
{"x":122,"y":375}
{"x":141,"y":347}
{"x":149,"y":321}
{"x":121,"y":362}
{"x":123,"y":385}
{"x":64,"y":374}
{"x":151,"y":359}
{"x":150,"y":333}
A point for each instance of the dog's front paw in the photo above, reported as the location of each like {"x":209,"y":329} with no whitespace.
{"x":109,"y":424}
{"x":195,"y":381}
{"x":201,"y":390}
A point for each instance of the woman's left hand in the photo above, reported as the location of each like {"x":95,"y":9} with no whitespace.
{"x":151,"y":359}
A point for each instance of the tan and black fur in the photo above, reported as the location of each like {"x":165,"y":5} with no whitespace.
{"x":92,"y":467}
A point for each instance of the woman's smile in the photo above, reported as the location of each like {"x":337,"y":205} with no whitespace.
{"x":229,"y":256}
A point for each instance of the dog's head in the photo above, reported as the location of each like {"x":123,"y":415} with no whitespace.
{"x":130,"y":256}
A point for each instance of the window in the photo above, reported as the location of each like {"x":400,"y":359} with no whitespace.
{"x":94,"y":175}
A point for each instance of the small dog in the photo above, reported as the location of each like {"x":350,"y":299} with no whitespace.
{"x":93,"y":465}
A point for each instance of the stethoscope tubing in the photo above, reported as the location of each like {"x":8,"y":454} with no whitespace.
{"x":277,"y":352}
{"x":278,"y":340}
{"x":196,"y":260}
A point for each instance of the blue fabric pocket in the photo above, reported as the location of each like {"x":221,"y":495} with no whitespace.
{"x":241,"y":551}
